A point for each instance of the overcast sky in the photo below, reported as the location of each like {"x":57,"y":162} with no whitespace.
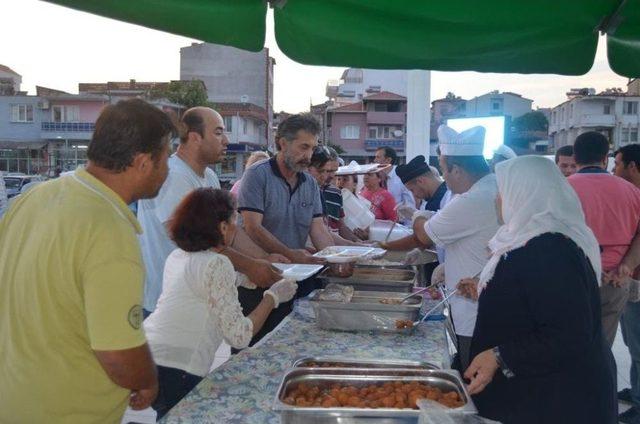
{"x":56,"y":47}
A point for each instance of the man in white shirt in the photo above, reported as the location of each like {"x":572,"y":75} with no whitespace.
{"x":4,"y":202}
{"x":466,"y":223}
{"x":202,"y":143}
{"x":394,"y":185}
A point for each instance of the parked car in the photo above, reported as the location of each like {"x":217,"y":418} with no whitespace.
{"x":15,"y":183}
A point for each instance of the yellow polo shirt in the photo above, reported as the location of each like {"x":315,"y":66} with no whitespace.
{"x":71,"y":278}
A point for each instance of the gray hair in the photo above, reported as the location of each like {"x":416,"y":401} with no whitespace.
{"x":288,"y":129}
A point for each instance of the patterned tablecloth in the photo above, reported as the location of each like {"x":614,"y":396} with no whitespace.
{"x":243,"y":389}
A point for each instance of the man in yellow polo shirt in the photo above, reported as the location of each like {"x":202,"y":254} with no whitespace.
{"x":71,"y":274}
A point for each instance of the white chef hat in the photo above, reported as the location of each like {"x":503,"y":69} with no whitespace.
{"x":467,"y":143}
{"x":505,"y":151}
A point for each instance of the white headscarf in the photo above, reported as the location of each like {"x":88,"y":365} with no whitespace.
{"x":537,"y":199}
{"x":505,"y":151}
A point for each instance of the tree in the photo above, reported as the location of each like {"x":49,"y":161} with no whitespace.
{"x":186,"y":93}
{"x":529,"y":127}
{"x":532,"y":121}
{"x":339,"y":150}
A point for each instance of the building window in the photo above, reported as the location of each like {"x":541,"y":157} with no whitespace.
{"x":496,"y":105}
{"x":553,"y":117}
{"x":57,"y":114}
{"x":380,"y":107}
{"x":60,"y":113}
{"x":227,"y":166}
{"x":607,"y":109}
{"x":73,"y":113}
{"x":386,"y":132}
{"x":350,"y":132}
{"x":373,"y":132}
{"x":571,"y":111}
{"x":21,"y":113}
{"x":228,"y":124}
{"x":628,"y":135}
{"x":630,"y":108}
{"x":245,"y":125}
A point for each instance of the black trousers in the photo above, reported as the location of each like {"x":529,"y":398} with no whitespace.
{"x":250,"y":298}
{"x":174,"y":385}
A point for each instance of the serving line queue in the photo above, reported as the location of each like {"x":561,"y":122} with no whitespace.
{"x":79,"y":308}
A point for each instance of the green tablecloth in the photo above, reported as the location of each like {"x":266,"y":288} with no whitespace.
{"x":243,"y":389}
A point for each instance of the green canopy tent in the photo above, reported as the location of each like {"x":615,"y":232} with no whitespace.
{"x":542,"y":36}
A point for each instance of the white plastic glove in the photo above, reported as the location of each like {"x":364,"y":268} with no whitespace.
{"x":423,"y":214}
{"x":282,"y":291}
{"x":413,"y":257}
{"x":437,"y":276}
{"x":406,"y":211}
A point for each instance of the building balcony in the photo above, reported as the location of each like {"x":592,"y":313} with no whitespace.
{"x":376,"y":143}
{"x":68,"y":127}
{"x":599,"y":120}
{"x":386,"y":118}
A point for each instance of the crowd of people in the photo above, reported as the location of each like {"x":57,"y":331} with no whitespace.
{"x":101,"y":308}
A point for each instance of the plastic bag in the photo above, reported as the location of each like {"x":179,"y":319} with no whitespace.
{"x":418,"y":257}
{"x":336,"y":293}
{"x":406,"y":211}
{"x":431,"y":412}
{"x":437,"y":277}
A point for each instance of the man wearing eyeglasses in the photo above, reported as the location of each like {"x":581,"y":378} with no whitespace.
{"x":323,"y":167}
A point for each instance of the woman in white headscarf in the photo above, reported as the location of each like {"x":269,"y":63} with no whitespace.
{"x":538,"y":349}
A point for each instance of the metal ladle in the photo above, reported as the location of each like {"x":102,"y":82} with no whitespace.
{"x":410,"y":295}
{"x":432,"y":310}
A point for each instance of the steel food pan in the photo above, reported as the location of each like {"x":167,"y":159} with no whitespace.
{"x":365,"y":312}
{"x":346,"y":362}
{"x":446,"y":380}
{"x":375,"y":279}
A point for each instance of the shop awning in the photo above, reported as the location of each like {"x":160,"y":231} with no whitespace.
{"x":544,"y":36}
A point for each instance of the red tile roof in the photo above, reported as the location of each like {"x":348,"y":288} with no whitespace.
{"x":133,"y":85}
{"x":9,"y":70}
{"x":352,"y":107}
{"x":46,"y":91}
{"x":385,"y":95}
{"x":242,"y":109}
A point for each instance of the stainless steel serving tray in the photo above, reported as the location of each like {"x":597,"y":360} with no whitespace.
{"x":444,"y":379}
{"x":374,"y":278}
{"x":345,"y":362}
{"x":365,"y":312}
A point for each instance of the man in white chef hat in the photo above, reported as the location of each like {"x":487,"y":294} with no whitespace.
{"x":465,"y":225}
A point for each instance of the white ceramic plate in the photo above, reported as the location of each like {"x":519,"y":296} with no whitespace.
{"x":344,"y":251}
{"x":356,"y":169}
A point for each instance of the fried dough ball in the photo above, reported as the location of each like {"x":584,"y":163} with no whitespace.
{"x":404,"y":323}
{"x":390,"y":394}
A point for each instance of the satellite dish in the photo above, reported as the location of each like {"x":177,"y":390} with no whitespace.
{"x":398,"y":133}
{"x":244,"y":98}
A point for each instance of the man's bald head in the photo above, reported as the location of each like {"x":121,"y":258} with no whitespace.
{"x":199,"y":120}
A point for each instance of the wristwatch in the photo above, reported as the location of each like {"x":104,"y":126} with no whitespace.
{"x":503,"y":366}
